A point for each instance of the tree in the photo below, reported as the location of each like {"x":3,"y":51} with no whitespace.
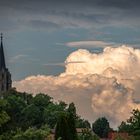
{"x":31,"y":116}
{"x":81,"y":123}
{"x":65,"y":128}
{"x":87,"y":134}
{"x":125,"y":127}
{"x":132,"y":125}
{"x":15,"y":105}
{"x":72,"y":128}
{"x":4,"y":117}
{"x":101,"y":127}
{"x":72,"y":109}
{"x":62,"y":128}
{"x":52,"y":111}
{"x":71,"y":120}
{"x":33,"y":134}
{"x":134,"y":122}
{"x":41,"y":100}
{"x":22,"y":116}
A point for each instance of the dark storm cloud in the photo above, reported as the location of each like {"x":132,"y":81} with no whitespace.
{"x":104,"y":3}
{"x":43,"y":24}
{"x":119,"y":3}
{"x":68,"y":13}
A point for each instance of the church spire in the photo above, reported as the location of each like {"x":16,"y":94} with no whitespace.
{"x":2,"y":58}
{"x":1,"y":36}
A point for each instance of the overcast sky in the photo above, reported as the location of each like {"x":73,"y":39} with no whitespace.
{"x":40,"y":34}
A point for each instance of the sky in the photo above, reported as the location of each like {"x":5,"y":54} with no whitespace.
{"x":52,"y":41}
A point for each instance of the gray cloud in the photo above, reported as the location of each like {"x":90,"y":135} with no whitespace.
{"x":63,"y":64}
{"x":107,"y":3}
{"x":79,"y":13}
{"x":42,"y":24}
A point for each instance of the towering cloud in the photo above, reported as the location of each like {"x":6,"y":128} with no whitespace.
{"x":104,"y":84}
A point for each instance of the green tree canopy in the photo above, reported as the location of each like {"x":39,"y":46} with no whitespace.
{"x":22,"y":114}
{"x":132,"y":125}
{"x":101,"y":127}
{"x":125,"y":127}
{"x":41,"y":100}
{"x":4,"y":117}
{"x":65,"y":128}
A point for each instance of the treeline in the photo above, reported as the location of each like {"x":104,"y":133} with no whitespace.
{"x":23,"y":116}
{"x":27,"y":117}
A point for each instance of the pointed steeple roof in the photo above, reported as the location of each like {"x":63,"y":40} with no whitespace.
{"x":2,"y":58}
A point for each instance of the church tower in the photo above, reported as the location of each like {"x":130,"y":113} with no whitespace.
{"x":5,"y":76}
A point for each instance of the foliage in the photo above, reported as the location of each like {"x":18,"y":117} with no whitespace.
{"x":132,"y":125}
{"x":95,"y":137}
{"x":62,"y":128}
{"x":51,"y":113}
{"x":65,"y":128}
{"x":72,"y":128}
{"x":41,"y":100}
{"x":23,"y":116}
{"x":33,"y":134}
{"x":101,"y":127}
{"x":31,"y":116}
{"x":81,"y":123}
{"x":72,"y":110}
{"x":119,"y":138}
{"x":87,"y":135}
{"x":134,"y":120}
{"x":125,"y":127}
{"x":136,"y":137}
{"x":4,"y":117}
{"x":14,"y":109}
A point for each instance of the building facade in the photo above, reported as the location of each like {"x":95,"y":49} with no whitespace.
{"x":5,"y":76}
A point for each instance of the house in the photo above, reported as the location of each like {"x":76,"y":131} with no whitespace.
{"x":114,"y":135}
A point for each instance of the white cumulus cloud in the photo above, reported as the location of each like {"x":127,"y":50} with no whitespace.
{"x":104,"y":84}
